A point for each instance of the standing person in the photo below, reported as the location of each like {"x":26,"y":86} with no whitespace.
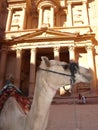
{"x":79,"y":98}
{"x":83,"y":99}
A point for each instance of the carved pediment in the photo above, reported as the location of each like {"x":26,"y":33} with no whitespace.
{"x":45,"y":33}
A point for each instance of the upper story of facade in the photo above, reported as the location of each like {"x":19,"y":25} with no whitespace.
{"x":26,"y":15}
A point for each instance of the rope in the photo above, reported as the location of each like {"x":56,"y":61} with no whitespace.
{"x":55,"y":72}
{"x":75,"y":114}
{"x":76,"y":127}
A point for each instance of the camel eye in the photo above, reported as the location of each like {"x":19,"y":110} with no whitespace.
{"x":65,"y":66}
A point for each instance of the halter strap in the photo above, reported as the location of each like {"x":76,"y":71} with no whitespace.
{"x":56,"y":72}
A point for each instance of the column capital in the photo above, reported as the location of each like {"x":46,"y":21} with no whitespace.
{"x":84,"y":1}
{"x":39,"y":8}
{"x":4,"y":49}
{"x":89,"y":47}
{"x":71,"y":48}
{"x":33,"y":49}
{"x":19,"y":52}
{"x":56,"y":48}
{"x":66,"y":11}
{"x":52,"y":8}
{"x":9,"y":8}
{"x":96,"y":49}
{"x":69,"y":2}
{"x":23,"y":7}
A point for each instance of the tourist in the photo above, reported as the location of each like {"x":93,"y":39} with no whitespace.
{"x":83,"y":99}
{"x":79,"y":98}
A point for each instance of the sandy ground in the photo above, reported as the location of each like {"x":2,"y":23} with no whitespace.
{"x":70,"y":116}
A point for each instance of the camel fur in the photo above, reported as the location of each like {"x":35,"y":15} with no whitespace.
{"x":12,"y":117}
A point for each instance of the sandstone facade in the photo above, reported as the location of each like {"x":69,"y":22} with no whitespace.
{"x":59,"y":29}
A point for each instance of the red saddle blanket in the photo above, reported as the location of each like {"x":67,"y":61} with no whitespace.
{"x":23,"y":101}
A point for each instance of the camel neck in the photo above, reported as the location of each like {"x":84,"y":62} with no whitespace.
{"x":52,"y":88}
{"x":40,"y":108}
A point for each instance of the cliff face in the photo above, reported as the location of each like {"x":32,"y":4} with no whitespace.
{"x":3,"y":17}
{"x":93,"y":16}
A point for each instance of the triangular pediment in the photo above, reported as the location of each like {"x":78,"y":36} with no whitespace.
{"x":45,"y":33}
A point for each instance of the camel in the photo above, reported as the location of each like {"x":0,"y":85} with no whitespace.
{"x":50,"y":76}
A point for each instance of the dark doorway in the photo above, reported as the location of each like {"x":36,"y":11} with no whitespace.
{"x":64,"y":54}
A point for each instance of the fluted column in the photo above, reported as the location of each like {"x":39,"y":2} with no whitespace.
{"x":3,"y":65}
{"x":40,"y":18}
{"x":69,"y":15}
{"x":18,"y":67}
{"x":32,"y":72}
{"x":85,"y":14}
{"x":72,"y":53}
{"x":9,"y":19}
{"x":91,"y":63}
{"x":56,"y":53}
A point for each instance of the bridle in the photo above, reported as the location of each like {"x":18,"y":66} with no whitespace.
{"x":55,"y":72}
{"x":72,"y":76}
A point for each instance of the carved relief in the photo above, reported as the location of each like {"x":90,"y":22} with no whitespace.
{"x":16,"y":20}
{"x":77,"y":15}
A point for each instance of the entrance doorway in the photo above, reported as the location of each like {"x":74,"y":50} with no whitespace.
{"x":64,"y":54}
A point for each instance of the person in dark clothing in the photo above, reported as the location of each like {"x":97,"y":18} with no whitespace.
{"x":79,"y":98}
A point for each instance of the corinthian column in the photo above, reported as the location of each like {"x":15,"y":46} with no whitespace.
{"x":18,"y":67}
{"x":32,"y":72}
{"x":72,"y":53}
{"x":56,"y":53}
{"x":9,"y":19}
{"x":3,"y":65}
{"x":91,"y":63}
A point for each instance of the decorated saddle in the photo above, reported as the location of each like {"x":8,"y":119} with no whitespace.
{"x":10,"y":90}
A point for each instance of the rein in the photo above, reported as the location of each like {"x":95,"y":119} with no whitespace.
{"x":56,"y":72}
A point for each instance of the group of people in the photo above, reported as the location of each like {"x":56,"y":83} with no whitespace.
{"x":81,"y":99}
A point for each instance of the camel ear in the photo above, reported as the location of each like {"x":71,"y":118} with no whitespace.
{"x":46,"y":61}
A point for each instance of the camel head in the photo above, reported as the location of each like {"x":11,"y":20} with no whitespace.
{"x":59,"y":74}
